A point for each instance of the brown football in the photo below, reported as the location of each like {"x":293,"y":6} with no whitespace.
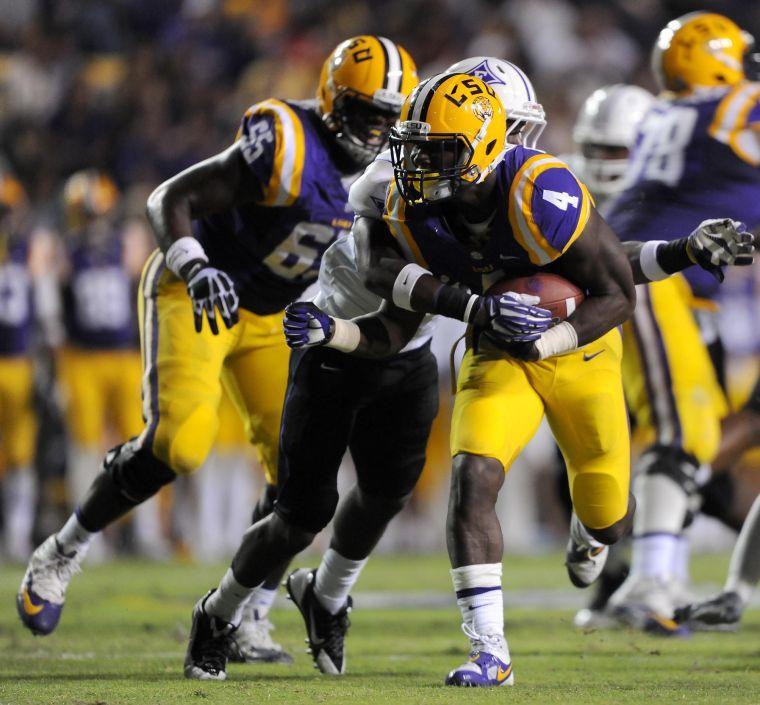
{"x":557,"y":294}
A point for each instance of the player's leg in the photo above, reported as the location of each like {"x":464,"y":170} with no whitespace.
{"x":673,"y":392}
{"x":255,"y":379}
{"x":388,"y":446}
{"x":316,"y":424}
{"x":586,"y":410}
{"x":496,"y":412}
{"x":18,"y":430}
{"x":181,"y":394}
{"x":124,"y":406}
{"x":743,"y":576}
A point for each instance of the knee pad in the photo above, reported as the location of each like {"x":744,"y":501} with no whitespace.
{"x":666,"y":489}
{"x":312,"y":513}
{"x":136,"y":471}
{"x":265,"y":505}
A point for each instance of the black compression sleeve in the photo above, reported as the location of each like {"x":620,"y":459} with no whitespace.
{"x":452,"y":302}
{"x":673,"y":256}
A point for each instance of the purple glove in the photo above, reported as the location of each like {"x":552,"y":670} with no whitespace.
{"x":515,"y":318}
{"x":306,"y":325}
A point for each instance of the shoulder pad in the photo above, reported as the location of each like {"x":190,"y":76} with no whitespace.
{"x":736,"y":121}
{"x":367,"y":195}
{"x":273,"y":126}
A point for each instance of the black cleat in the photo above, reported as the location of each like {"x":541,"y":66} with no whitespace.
{"x":722,"y":612}
{"x":209,"y":648}
{"x":326,"y":631}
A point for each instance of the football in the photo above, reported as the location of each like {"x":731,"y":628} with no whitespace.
{"x":557,"y":294}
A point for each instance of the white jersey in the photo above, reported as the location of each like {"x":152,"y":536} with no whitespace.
{"x":342,"y":293}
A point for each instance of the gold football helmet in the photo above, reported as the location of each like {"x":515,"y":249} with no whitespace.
{"x":361,"y":90}
{"x":452,"y":131}
{"x":87,"y":195}
{"x":700,"y":50}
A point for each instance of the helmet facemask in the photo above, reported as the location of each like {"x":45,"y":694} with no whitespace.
{"x":361,"y":126}
{"x":604,"y":167}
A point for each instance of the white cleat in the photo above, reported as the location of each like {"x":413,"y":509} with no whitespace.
{"x":42,"y":593}
{"x":584,"y":563}
{"x":646,"y":604}
{"x":253,"y":643}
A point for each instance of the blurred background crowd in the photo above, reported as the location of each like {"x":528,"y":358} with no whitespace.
{"x":141,"y":89}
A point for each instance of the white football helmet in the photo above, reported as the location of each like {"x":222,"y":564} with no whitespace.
{"x":515,"y":91}
{"x":605,"y":131}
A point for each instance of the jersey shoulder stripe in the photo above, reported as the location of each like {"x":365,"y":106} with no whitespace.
{"x":548,"y":208}
{"x":395,"y":217}
{"x":733,"y":120}
{"x":289,"y":146}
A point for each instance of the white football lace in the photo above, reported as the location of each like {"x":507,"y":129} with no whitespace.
{"x":493,"y":640}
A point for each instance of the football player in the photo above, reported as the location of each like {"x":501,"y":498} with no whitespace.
{"x":697,"y":151}
{"x":18,"y":425}
{"x":240,"y":236}
{"x":469,"y":207}
{"x":382,"y":409}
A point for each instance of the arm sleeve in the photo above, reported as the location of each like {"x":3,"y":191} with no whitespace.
{"x":548,"y":208}
{"x":367,"y":195}
{"x":272,"y":143}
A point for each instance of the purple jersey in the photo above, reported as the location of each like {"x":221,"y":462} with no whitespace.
{"x":272,"y":247}
{"x":695,"y":158}
{"x":99,"y":298}
{"x":15,"y":299}
{"x":542,"y":209}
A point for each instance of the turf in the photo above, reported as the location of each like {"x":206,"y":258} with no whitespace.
{"x":124,"y":629}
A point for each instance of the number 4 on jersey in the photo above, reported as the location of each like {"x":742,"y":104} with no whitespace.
{"x":561,"y":199}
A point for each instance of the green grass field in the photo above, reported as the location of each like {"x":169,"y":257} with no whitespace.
{"x":124,"y":630}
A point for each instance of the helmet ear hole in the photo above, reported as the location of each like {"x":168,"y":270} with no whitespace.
{"x":490,"y":146}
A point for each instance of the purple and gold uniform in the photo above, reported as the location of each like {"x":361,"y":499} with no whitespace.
{"x":100,"y":364}
{"x":17,"y":421}
{"x":500,"y":401}
{"x":272,"y":248}
{"x":695,"y":157}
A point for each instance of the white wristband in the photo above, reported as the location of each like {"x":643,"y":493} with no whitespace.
{"x":346,"y":336}
{"x":405,"y":281}
{"x":468,"y":309}
{"x":648,"y":261}
{"x":555,"y":341}
{"x":182,"y":251}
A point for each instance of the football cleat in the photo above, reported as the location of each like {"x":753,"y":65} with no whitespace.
{"x":210,"y":644}
{"x":646,"y":604}
{"x":253,"y":643}
{"x":721,"y":613}
{"x":326,"y":632}
{"x":40,"y":598}
{"x":584,"y":563}
{"x":489,"y":665}
{"x":595,"y":616}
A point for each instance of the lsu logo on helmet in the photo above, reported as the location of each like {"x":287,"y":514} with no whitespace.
{"x":700,"y":50}
{"x":452,"y":132}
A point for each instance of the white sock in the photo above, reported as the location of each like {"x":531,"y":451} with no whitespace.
{"x":260,"y":602}
{"x":654,"y":556}
{"x":335,"y":577}
{"x":480,"y":599}
{"x":681,"y":560}
{"x":19,"y":496}
{"x":73,"y":536}
{"x":581,"y":535}
{"x":229,"y":600}
{"x":83,"y":464}
{"x":744,"y":569}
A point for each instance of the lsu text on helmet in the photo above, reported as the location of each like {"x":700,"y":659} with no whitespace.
{"x":361,"y":90}
{"x":700,"y":50}
{"x":525,"y":115}
{"x":452,"y":132}
{"x":605,"y":131}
